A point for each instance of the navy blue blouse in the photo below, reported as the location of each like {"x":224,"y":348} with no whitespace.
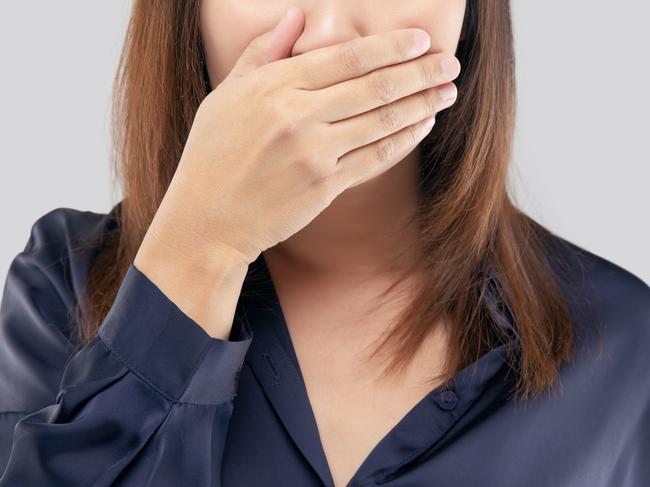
{"x":153,"y":400}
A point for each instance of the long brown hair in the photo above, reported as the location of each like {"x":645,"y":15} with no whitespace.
{"x":468,"y":222}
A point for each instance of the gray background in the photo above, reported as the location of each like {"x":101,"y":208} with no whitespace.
{"x":581,"y":164}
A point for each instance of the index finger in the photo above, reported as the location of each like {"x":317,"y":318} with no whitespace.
{"x":330,"y":65}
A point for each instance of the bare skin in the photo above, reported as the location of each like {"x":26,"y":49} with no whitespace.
{"x":329,"y":323}
{"x":316,"y":191}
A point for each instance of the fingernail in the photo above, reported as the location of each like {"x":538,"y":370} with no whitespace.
{"x":421,"y":42}
{"x":447,"y":92}
{"x":428,"y":123}
{"x":449,"y":65}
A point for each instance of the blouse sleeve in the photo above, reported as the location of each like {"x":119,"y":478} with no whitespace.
{"x":146,"y":403}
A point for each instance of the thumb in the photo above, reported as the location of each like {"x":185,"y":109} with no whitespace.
{"x":272,"y":45}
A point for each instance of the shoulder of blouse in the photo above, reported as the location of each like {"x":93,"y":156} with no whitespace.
{"x":602,"y":292}
{"x":45,"y":278}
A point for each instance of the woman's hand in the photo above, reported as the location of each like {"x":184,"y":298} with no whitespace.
{"x":281,"y":137}
{"x":273,"y":145}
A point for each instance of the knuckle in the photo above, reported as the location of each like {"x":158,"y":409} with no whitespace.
{"x":401,"y":48}
{"x":389,"y":117}
{"x":326,"y":187}
{"x":300,"y":107}
{"x":385,"y":148}
{"x":289,"y":113}
{"x":382,"y":86}
{"x":261,"y":82}
{"x":283,"y":118}
{"x":430,"y":104}
{"x":309,"y":158}
{"x":428,"y":74}
{"x":303,"y":167}
{"x":311,"y":170}
{"x":308,"y":109}
{"x":413,"y":135}
{"x":351,"y":58}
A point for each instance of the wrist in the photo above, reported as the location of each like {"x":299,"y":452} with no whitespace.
{"x":204,"y":283}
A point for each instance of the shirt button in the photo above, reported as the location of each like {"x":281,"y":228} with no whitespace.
{"x":447,"y":399}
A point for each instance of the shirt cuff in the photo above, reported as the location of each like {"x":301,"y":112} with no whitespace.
{"x":169,"y":350}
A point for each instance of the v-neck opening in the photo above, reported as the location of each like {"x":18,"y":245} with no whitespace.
{"x":273,"y":352}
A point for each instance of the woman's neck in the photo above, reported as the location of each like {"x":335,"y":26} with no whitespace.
{"x":363,"y":230}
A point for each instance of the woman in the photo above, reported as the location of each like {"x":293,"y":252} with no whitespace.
{"x":306,"y":283}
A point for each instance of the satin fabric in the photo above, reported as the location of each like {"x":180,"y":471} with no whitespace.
{"x":153,"y":400}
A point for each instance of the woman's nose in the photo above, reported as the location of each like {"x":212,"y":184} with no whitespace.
{"x":331,"y":22}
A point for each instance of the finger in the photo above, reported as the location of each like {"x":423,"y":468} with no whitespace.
{"x":272,"y":45}
{"x":369,"y":161}
{"x":329,"y":65}
{"x":384,"y":85}
{"x":349,"y":134}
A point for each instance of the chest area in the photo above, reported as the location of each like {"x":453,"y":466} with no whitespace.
{"x":354,"y":407}
{"x":562,"y":441}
